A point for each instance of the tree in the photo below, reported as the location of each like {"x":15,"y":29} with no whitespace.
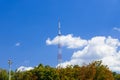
{"x":93,"y":71}
{"x":3,"y":74}
{"x":102,"y":72}
{"x":116,"y":76}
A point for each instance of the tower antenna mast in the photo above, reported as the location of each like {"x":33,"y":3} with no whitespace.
{"x":59,"y":44}
{"x":9,"y":63}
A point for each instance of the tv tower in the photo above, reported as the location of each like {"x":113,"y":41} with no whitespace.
{"x":59,"y":57}
{"x":9,"y":63}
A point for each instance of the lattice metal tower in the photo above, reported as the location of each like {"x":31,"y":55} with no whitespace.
{"x":9,"y":63}
{"x":59,"y":57}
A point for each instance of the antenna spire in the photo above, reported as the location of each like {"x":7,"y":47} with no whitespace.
{"x":59,"y":44}
{"x":59,"y":31}
{"x":9,"y":63}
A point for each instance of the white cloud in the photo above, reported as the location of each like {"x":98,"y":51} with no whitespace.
{"x":116,"y":28}
{"x":69,"y":41}
{"x":23,"y":68}
{"x":97,"y":48}
{"x":18,"y":44}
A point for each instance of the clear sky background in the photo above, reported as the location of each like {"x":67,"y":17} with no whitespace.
{"x":26,"y":25}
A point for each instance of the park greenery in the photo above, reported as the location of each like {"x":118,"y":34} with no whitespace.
{"x":93,"y":71}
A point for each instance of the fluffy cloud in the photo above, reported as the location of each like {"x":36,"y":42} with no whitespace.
{"x":97,"y":48}
{"x":116,"y":28}
{"x":17,"y":44}
{"x":69,"y":41}
{"x":23,"y":68}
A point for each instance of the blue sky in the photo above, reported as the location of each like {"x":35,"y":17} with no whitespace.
{"x":25,"y":25}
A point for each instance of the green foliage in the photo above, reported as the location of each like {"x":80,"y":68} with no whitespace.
{"x":116,"y":76}
{"x":93,"y":71}
{"x":3,"y":75}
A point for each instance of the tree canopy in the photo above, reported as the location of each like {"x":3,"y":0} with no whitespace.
{"x":93,"y":71}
